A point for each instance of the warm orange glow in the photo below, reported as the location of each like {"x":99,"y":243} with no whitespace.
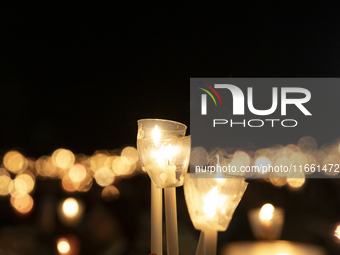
{"x":29,"y":180}
{"x":104,"y":176}
{"x":156,"y":135}
{"x":123,"y":166}
{"x":22,"y":204}
{"x":63,"y":158}
{"x":212,"y":201}
{"x":110,"y":192}
{"x":267,"y":212}
{"x":278,"y":182}
{"x":337,"y":232}
{"x":14,"y":161}
{"x":4,"y":184}
{"x":98,"y":161}
{"x":68,"y":184}
{"x":77,"y":173}
{"x":70,"y":207}
{"x":131,"y":153}
{"x":84,"y":185}
{"x":63,"y":246}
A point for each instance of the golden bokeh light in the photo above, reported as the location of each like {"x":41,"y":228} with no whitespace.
{"x":23,"y":204}
{"x":296,"y":180}
{"x":4,"y":184}
{"x":278,"y":181}
{"x":28,"y":178}
{"x":14,"y":161}
{"x":123,"y":166}
{"x":70,"y":207}
{"x":104,"y":176}
{"x":110,"y":193}
{"x":337,"y":232}
{"x":63,"y":246}
{"x":68,"y":184}
{"x":85,"y":185}
{"x":98,"y":161}
{"x":131,"y":153}
{"x":77,"y":173}
{"x":63,"y":158}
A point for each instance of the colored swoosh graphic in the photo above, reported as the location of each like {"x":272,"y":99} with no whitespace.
{"x":209,"y":94}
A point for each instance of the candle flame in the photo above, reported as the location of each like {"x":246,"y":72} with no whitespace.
{"x":70,"y":207}
{"x":267,"y":212}
{"x":337,"y":232}
{"x":156,"y":135}
{"x":164,"y":155}
{"x":212,"y":201}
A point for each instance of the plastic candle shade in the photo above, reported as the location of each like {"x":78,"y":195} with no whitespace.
{"x":211,"y":203}
{"x":266,"y":222}
{"x":164,"y":152}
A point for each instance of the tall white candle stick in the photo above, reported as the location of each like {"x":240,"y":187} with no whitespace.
{"x":171,"y":220}
{"x":164,"y":152}
{"x":156,"y":220}
{"x":200,"y":244}
{"x":210,"y":242}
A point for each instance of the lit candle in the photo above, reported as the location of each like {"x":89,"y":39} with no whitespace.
{"x":167,"y":174}
{"x":266,"y":219}
{"x":211,"y":203}
{"x":70,"y":211}
{"x":266,"y":222}
{"x":156,"y":220}
{"x":164,"y":152}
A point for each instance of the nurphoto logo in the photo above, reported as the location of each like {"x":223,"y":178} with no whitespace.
{"x":238,"y":104}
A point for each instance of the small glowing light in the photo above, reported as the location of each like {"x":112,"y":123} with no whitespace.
{"x":240,"y":159}
{"x":131,"y":153}
{"x":156,"y":135}
{"x":22,"y":204}
{"x":85,"y":185}
{"x":77,"y":173}
{"x":296,"y":182}
{"x":279,"y":181}
{"x":70,"y":207}
{"x":337,"y":232}
{"x":67,"y":184}
{"x":98,"y":161}
{"x":123,"y":166}
{"x":14,"y":161}
{"x":110,"y":192}
{"x":28,"y":179}
{"x":4,"y":184}
{"x":104,"y":176}
{"x":63,"y":158}
{"x":266,"y":213}
{"x":63,"y":246}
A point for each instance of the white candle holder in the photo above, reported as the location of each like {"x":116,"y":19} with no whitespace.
{"x":164,"y":152}
{"x":212,"y":201}
{"x":266,"y":222}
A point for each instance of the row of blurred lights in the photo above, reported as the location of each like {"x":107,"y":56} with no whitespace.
{"x":305,"y":154}
{"x":76,"y":172}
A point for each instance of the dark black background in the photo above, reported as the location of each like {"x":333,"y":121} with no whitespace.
{"x":79,"y":76}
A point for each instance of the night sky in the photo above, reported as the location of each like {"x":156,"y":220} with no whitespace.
{"x":80,"y":75}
